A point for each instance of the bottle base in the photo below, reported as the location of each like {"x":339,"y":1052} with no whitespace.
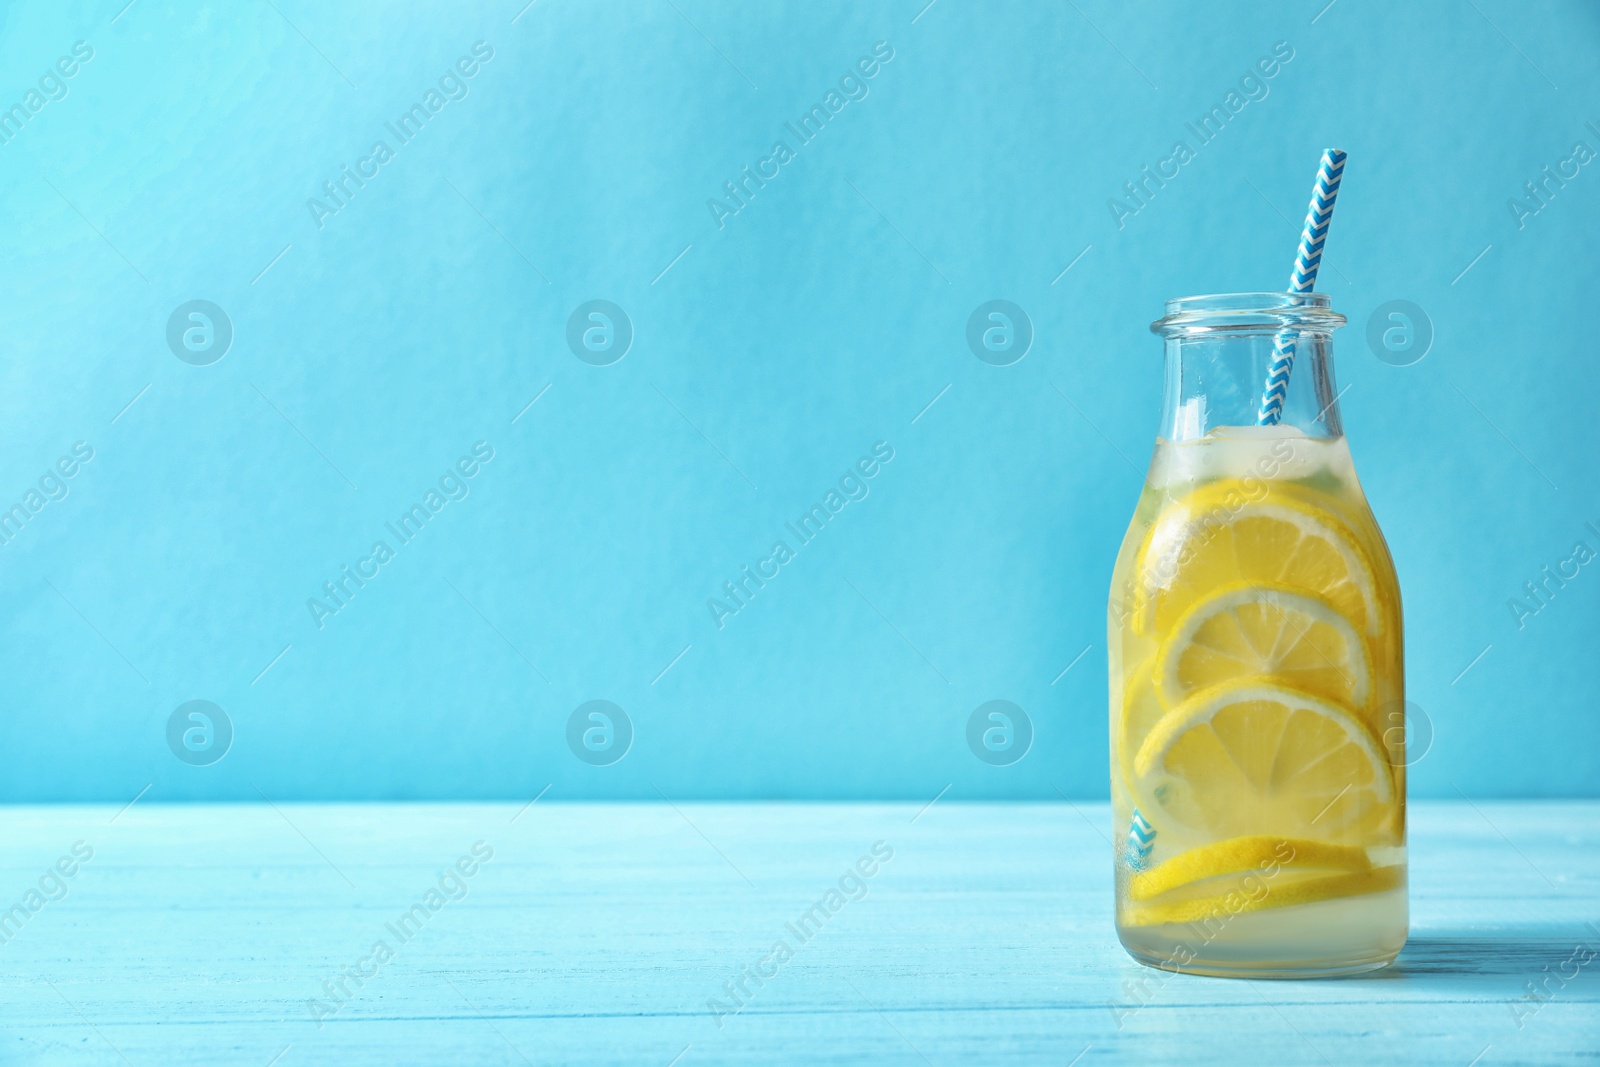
{"x":1326,"y":939}
{"x":1344,"y":968}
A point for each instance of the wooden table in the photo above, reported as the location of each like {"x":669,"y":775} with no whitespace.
{"x":599,"y":933}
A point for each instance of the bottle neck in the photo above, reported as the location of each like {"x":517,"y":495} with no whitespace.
{"x":1216,"y":378}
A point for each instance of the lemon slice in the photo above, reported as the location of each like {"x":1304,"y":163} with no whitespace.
{"x":1257,"y":855}
{"x":1287,"y":638}
{"x":1266,"y":893}
{"x":1246,"y":758}
{"x":1216,"y":537}
{"x":1139,"y":712}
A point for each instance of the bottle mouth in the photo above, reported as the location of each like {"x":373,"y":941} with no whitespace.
{"x":1247,"y":313}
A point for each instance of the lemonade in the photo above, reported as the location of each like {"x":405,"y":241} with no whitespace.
{"x":1258,"y":762}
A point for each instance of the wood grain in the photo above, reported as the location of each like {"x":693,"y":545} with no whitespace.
{"x":597,"y":933}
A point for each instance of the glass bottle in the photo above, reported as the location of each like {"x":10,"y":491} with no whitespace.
{"x":1256,"y":676}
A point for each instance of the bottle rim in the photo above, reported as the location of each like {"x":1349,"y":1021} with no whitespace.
{"x":1247,"y":313}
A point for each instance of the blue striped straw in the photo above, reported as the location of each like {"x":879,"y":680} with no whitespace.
{"x":1303,"y":280}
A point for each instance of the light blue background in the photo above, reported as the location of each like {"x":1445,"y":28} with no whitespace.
{"x":823,"y":317}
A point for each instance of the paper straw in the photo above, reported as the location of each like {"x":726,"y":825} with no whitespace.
{"x":1303,"y":280}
